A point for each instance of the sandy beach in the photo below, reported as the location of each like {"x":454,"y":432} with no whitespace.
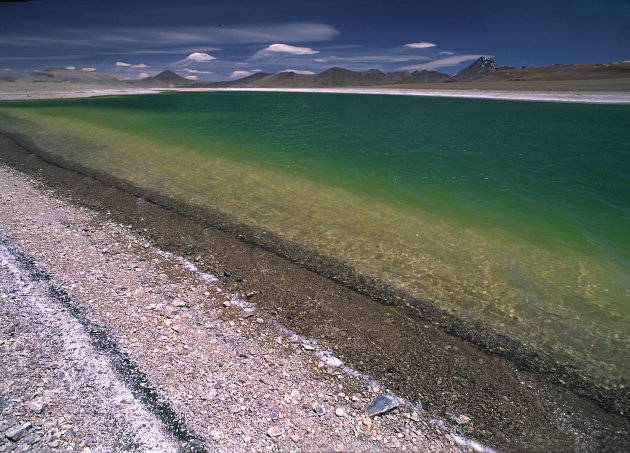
{"x":245,"y":349}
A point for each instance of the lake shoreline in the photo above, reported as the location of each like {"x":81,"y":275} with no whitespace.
{"x":327,"y":310}
{"x":607,"y":91}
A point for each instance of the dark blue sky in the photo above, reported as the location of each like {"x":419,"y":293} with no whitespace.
{"x":216,"y":40}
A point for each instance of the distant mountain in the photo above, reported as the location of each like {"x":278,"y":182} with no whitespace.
{"x":59,"y":75}
{"x":165,"y":79}
{"x":477,"y":70}
{"x":561,"y":72}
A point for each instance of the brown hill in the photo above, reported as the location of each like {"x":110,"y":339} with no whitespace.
{"x":333,"y":77}
{"x":561,"y":72}
{"x":284,"y":79}
{"x":427,"y":77}
{"x":59,"y":75}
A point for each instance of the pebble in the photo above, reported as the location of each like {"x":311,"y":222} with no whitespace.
{"x":274,"y":431}
{"x":179,"y":303}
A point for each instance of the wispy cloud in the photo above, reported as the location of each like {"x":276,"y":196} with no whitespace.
{"x":297,"y":71}
{"x":445,"y":52}
{"x":88,"y":69}
{"x":421,"y":45}
{"x":150,"y":38}
{"x":192,"y":77}
{"x":71,"y":68}
{"x":121,"y":64}
{"x":196,"y":71}
{"x":139,"y":66}
{"x":378,"y":58}
{"x":443,"y":62}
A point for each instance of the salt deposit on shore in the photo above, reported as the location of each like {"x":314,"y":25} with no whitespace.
{"x":548,"y":96}
{"x":24,"y":91}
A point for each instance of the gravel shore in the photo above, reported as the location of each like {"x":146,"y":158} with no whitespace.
{"x":110,"y":344}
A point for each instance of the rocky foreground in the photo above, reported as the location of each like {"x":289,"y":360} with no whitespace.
{"x":110,"y":344}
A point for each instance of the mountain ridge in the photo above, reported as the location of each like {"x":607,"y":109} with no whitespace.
{"x":484,"y":69}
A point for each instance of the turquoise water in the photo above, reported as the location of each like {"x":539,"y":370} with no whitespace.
{"x":512,"y":212}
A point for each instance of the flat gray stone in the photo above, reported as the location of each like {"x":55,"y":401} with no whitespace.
{"x":17,"y":432}
{"x":380,"y":405}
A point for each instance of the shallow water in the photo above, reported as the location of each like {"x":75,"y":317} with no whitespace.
{"x":513,"y":213}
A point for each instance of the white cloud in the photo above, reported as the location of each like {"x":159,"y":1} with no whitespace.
{"x":320,"y":60}
{"x":421,"y":45}
{"x":143,"y":75}
{"x":196,"y":71}
{"x":443,"y":62}
{"x":88,"y":69}
{"x":447,"y":53}
{"x":200,"y":57}
{"x":120,"y":63}
{"x":141,"y":65}
{"x":71,"y":68}
{"x":192,"y":77}
{"x":297,"y":71}
{"x":275,"y":50}
{"x":240,"y":74}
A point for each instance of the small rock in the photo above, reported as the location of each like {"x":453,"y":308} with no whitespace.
{"x":462,"y":420}
{"x":319,"y":411}
{"x":308,"y":347}
{"x":32,"y":438}
{"x":35,"y":405}
{"x":415,"y":417}
{"x":179,"y":303}
{"x":274,"y":431}
{"x":169,"y":311}
{"x":380,"y":405}
{"x":295,"y":438}
{"x":339,"y":412}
